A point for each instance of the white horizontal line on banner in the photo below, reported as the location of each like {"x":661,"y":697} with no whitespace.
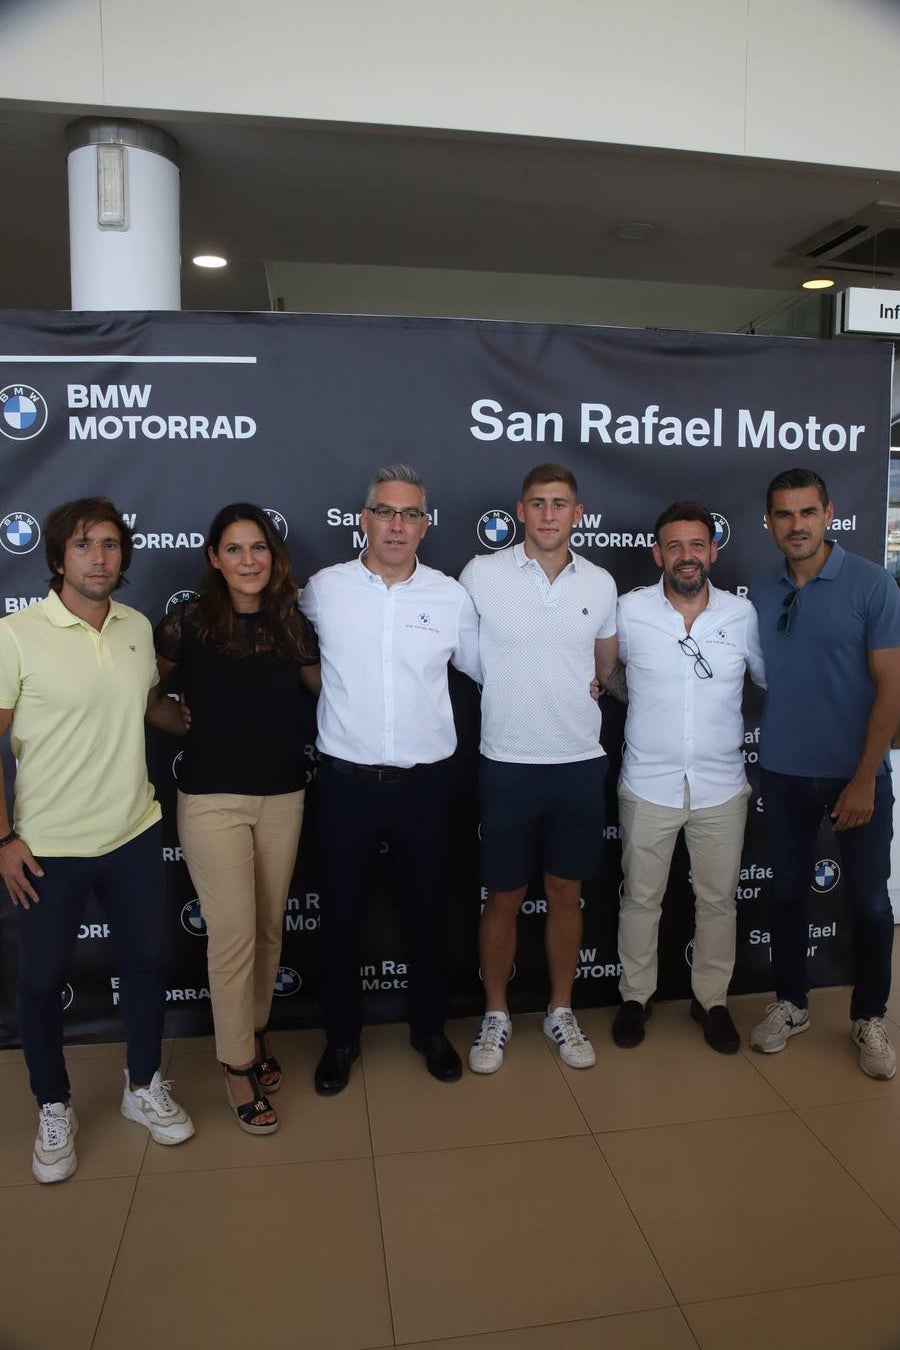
{"x":137,"y":360}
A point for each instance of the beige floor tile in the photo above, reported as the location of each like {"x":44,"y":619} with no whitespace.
{"x":820,"y":1065}
{"x":311,"y":1127}
{"x":72,"y":1230}
{"x":410,"y":1111}
{"x":672,"y":1076}
{"x":746,"y":1205}
{"x":486,"y":1239}
{"x":863,"y":1136}
{"x":659,"y":1329}
{"x":107,"y":1145}
{"x":284,"y":1255}
{"x":856,"y":1315}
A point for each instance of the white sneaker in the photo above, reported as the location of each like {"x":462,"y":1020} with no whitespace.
{"x":152,"y":1106}
{"x":486,"y":1054}
{"x":54,"y":1147}
{"x":782,"y":1021}
{"x":876,"y":1054}
{"x":574,"y":1047}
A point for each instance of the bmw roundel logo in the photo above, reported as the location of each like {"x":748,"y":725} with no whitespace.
{"x":179,"y":598}
{"x":826,"y":875}
{"x":287,"y":982}
{"x":278,"y":521}
{"x":424,"y":619}
{"x":19,"y":532}
{"x":496,"y":529}
{"x":689,"y":953}
{"x":723,"y":529}
{"x":23,"y":412}
{"x":192,"y":920}
{"x":67,"y":997}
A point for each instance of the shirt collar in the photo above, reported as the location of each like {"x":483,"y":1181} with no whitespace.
{"x":373,"y":578}
{"x":827,"y":572}
{"x":523,"y":560}
{"x":61,"y":617}
{"x":712,"y":603}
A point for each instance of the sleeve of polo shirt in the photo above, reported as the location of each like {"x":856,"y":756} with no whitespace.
{"x":607,"y":628}
{"x":466,"y":657}
{"x":755,"y":663}
{"x":10,"y":669}
{"x":883,"y":614}
{"x":622,"y":630}
{"x":308,"y":603}
{"x":467,"y":580}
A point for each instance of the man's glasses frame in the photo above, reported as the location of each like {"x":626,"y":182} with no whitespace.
{"x":702,"y":669}
{"x":410,"y":515}
{"x":789,"y":608}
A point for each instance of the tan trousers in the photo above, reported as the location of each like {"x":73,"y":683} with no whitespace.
{"x":714,"y":836}
{"x":240,"y":852}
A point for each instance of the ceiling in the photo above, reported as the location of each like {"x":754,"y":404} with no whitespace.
{"x":281,"y":191}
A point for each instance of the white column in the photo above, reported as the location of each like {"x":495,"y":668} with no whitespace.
{"x":124,"y":217}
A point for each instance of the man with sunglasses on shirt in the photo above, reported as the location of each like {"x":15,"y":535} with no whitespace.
{"x":387,"y":627}
{"x":686,"y":648}
{"x":829,"y":624}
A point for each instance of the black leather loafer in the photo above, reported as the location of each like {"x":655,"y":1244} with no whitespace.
{"x":628,"y":1025}
{"x":333,"y":1070}
{"x":441,"y":1059}
{"x":719,"y":1031}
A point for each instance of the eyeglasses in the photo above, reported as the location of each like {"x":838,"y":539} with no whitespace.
{"x":410,"y":515}
{"x":784,"y":618}
{"x":702,"y":668}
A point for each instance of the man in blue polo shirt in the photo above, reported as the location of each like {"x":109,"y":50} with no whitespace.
{"x":829,"y":624}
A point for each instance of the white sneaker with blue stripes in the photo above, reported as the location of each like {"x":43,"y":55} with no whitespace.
{"x":561,"y":1025}
{"x":486,"y":1054}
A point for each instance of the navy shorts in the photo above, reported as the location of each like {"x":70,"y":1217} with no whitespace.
{"x":547,"y":816}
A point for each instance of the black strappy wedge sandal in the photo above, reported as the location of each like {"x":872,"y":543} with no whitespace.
{"x":267,"y":1066}
{"x":248,"y":1112}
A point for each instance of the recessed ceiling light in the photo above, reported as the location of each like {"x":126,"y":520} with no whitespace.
{"x":635,"y":229}
{"x":209,"y":260}
{"x":817,"y":284}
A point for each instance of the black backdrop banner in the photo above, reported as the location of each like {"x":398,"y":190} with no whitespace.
{"x":173,"y":415}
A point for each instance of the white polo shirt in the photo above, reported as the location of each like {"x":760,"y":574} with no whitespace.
{"x":537,"y":652}
{"x":384,"y":652}
{"x":680,"y":726}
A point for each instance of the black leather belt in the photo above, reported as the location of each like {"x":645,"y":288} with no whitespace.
{"x":381,"y":773}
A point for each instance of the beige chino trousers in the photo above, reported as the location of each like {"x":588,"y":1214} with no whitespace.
{"x":714,"y":836}
{"x":241,"y":852}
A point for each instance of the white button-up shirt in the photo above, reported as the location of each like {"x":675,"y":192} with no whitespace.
{"x":537,"y":650}
{"x":384,"y":652}
{"x":680,"y":726}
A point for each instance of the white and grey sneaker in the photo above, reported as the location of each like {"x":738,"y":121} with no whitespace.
{"x":575,"y":1049}
{"x":876,"y":1054}
{"x":154,"y":1108}
{"x":54,"y":1147}
{"x":783,"y":1020}
{"x":486,"y":1054}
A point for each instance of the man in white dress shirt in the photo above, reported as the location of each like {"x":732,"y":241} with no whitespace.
{"x":686,"y":648}
{"x":387,"y":627}
{"x":547,"y":627}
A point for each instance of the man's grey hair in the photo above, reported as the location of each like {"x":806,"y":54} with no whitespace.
{"x":395,"y":473}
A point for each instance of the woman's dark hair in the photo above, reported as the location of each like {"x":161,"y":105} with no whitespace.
{"x":217,"y":624}
{"x":61,"y":524}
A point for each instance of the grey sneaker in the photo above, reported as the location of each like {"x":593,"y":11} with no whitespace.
{"x":54,"y":1146}
{"x":782,"y":1021}
{"x":154,"y":1108}
{"x":486,"y":1053}
{"x":876,"y":1054}
{"x":575,"y":1049}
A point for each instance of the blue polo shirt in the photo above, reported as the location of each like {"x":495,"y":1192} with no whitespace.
{"x":819,"y":688}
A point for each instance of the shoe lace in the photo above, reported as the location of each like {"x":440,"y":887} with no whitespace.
{"x":569,"y":1029}
{"x":875,"y":1036}
{"x":54,"y":1128}
{"x":493,"y":1033}
{"x":777,"y":1015}
{"x":158,"y":1093}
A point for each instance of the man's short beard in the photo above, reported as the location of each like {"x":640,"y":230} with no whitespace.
{"x":688,"y":588}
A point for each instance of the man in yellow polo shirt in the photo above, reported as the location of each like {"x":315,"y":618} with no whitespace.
{"x":76,"y":673}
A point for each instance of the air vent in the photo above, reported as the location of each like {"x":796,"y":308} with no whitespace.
{"x":867,"y":243}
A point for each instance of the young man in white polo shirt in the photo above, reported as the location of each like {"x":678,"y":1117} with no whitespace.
{"x":686,"y":648}
{"x":547,"y":626}
{"x":76,"y":672}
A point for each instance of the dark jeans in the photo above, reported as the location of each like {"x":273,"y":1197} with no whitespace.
{"x":129,"y":885}
{"x":794,"y":810}
{"x":354,"y":814}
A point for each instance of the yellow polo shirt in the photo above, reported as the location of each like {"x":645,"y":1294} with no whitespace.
{"x":78,"y":700}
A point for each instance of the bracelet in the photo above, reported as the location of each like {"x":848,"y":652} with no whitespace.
{"x":7,"y":839}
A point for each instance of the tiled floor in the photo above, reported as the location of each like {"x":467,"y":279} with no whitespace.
{"x":668,"y":1199}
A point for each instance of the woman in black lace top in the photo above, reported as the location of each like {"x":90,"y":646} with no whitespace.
{"x":238,"y":653}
